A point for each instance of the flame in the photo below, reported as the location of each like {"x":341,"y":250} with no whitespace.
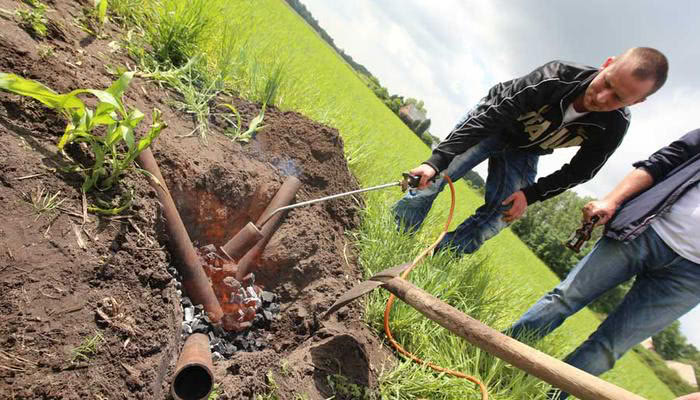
{"x":239,"y":300}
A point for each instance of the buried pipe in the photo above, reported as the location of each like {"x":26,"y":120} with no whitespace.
{"x":243,"y":241}
{"x":193,"y":379}
{"x":271,"y":219}
{"x":194,"y":280}
{"x":551,"y":370}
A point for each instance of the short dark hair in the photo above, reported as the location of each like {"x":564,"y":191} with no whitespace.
{"x":649,"y":64}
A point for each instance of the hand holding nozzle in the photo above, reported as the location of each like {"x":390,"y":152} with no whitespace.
{"x":582,"y":235}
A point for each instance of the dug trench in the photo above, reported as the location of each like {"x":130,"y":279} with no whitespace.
{"x":89,"y":307}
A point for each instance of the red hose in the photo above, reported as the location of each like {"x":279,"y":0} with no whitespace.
{"x":390,"y":303}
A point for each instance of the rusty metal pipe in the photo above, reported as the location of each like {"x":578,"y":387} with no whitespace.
{"x":243,"y":241}
{"x":283,"y":197}
{"x":194,"y":279}
{"x":193,"y":379}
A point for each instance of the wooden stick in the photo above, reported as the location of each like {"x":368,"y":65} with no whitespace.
{"x":558,"y":373}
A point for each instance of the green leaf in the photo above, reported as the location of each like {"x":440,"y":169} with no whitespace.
{"x":128,"y":136}
{"x":25,"y":87}
{"x":97,"y":169}
{"x":157,"y":126}
{"x":106,"y":97}
{"x":120,"y":85}
{"x":114,"y":210}
{"x":134,"y":118}
{"x":101,"y":6}
{"x":104,"y":115}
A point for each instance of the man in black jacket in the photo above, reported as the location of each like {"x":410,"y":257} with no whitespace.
{"x":663,"y":194}
{"x":557,"y":105}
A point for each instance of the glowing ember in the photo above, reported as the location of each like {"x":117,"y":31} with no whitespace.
{"x":239,"y":300}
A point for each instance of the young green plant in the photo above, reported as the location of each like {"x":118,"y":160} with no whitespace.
{"x":34,"y":19}
{"x":107,"y":131}
{"x":234,"y":132}
{"x":88,"y":348}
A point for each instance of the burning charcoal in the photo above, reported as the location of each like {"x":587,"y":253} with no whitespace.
{"x":216,"y":356}
{"x":231,"y":283}
{"x":259,"y":321}
{"x":228,"y":350}
{"x":189,"y":314}
{"x":208,"y":249}
{"x":239,"y":342}
{"x":186,"y":302}
{"x":200,"y":328}
{"x":267,"y":297}
{"x":267,"y":315}
{"x":252,"y":293}
{"x":249,"y":279}
{"x":186,"y":328}
{"x":199,"y":308}
{"x":212,"y":336}
{"x":274,"y":308}
{"x":219,"y":347}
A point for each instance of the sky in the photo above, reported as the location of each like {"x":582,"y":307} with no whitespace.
{"x":448,"y":53}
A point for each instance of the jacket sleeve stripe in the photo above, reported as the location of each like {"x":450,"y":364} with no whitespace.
{"x":505,"y":99}
{"x":593,"y":172}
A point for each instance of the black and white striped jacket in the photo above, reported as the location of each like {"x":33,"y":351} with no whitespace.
{"x":528,"y":112}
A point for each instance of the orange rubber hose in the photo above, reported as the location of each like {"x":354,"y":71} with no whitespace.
{"x":390,"y":303}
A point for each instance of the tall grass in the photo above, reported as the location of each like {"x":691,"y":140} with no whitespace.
{"x":178,"y":28}
{"x":469,"y":284}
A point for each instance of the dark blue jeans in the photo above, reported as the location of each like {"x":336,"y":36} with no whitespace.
{"x":666,"y":287}
{"x":509,"y":171}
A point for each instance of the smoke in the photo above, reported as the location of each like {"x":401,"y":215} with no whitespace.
{"x":288,"y":167}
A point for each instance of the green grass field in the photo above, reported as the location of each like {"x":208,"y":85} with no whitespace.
{"x":495,"y":285}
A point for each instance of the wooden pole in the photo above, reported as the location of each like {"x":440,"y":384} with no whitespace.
{"x":558,"y":373}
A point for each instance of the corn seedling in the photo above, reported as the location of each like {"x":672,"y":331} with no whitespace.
{"x":34,"y":19}
{"x":107,"y":131}
{"x":42,"y":201}
{"x":101,"y":11}
{"x":234,"y":132}
{"x":88,"y":348}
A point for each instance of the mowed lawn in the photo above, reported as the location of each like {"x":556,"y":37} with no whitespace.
{"x":320,"y":85}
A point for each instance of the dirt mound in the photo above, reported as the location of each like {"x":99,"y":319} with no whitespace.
{"x":58,"y":269}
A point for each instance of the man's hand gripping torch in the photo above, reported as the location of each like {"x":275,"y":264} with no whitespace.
{"x":582,"y":235}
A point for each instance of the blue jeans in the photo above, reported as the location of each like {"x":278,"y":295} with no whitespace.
{"x":509,"y":171}
{"x":666,"y":287}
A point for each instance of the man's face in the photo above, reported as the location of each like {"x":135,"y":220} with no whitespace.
{"x":615,"y":87}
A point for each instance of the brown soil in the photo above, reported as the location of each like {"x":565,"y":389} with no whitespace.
{"x":57,"y":270}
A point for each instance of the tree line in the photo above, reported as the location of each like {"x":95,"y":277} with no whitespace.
{"x":393,"y":102}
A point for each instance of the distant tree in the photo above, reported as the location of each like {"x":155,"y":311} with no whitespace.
{"x":427,"y":139}
{"x":474,"y":179}
{"x":422,"y":127}
{"x":393,"y":102}
{"x":670,"y":343}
